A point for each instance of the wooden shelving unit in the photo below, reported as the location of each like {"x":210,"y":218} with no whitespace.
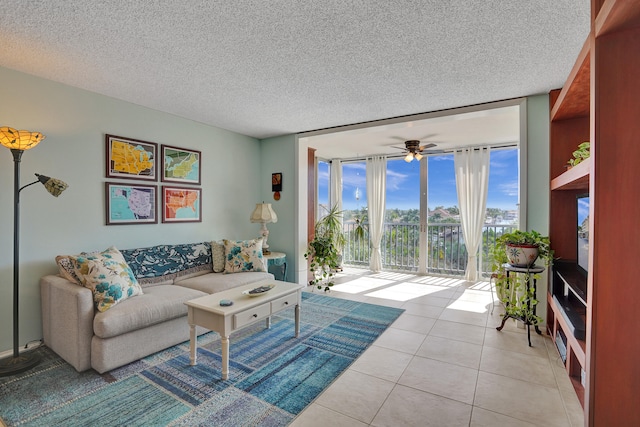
{"x":576,"y":178}
{"x":600,"y":103}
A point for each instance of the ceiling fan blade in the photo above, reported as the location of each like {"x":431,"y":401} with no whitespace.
{"x":424,"y":147}
{"x":399,"y":148}
{"x":431,"y":135}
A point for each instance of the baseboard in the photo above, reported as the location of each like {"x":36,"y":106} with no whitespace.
{"x":29,"y":346}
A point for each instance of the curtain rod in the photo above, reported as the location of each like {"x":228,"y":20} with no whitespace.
{"x":439,"y":152}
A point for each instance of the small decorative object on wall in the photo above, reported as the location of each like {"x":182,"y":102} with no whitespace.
{"x":181,"y":165}
{"x":131,"y":204}
{"x":130,"y":158}
{"x":276,"y":184}
{"x":181,"y":204}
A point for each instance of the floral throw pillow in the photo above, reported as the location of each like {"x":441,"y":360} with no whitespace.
{"x":243,"y":255}
{"x":107,"y":275}
{"x":66,"y":268}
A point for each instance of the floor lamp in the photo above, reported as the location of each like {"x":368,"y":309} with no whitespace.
{"x":18,"y":141}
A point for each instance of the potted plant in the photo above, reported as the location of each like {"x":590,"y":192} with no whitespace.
{"x":582,"y":153}
{"x":520,"y":249}
{"x":523,"y":248}
{"x":324,"y":251}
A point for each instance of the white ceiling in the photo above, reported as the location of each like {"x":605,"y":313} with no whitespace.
{"x":267,"y":68}
{"x":490,"y":125}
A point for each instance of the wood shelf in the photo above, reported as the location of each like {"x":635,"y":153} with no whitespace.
{"x":577,"y":346}
{"x":573,"y":100}
{"x":616,"y":15}
{"x":576,"y":178}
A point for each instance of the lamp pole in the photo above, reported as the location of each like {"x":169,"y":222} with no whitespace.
{"x":17,"y":155}
{"x":19,"y":362}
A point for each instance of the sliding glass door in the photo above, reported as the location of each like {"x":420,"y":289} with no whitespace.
{"x":422,"y":231}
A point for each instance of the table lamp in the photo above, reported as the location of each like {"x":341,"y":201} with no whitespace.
{"x":264,"y":213}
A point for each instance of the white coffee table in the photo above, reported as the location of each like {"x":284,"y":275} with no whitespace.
{"x":207,"y":312}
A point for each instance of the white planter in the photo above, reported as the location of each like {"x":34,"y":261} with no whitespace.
{"x":521,"y":255}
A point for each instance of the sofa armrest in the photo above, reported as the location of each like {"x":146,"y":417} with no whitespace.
{"x":67,"y":320}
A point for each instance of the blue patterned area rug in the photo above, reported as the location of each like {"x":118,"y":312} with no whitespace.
{"x":273,"y":376}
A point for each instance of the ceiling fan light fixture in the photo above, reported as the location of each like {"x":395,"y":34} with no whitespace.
{"x":418,"y":156}
{"x":408,"y":158}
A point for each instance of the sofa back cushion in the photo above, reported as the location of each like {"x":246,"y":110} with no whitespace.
{"x":164,"y":263}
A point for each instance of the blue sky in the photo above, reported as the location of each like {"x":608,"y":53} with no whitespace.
{"x":403,"y":182}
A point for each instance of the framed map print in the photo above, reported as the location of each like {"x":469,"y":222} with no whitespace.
{"x":180,"y":165}
{"x":131,"y":158}
{"x":131,"y":204}
{"x":181,"y":204}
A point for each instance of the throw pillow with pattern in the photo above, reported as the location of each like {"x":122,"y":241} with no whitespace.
{"x":107,"y":275}
{"x":243,"y":255}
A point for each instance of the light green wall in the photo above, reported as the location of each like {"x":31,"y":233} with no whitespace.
{"x":538,"y":163}
{"x":75,"y":122}
{"x":538,"y":180}
{"x":278,"y":155}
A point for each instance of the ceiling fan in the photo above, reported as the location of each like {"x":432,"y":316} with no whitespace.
{"x":415,"y":150}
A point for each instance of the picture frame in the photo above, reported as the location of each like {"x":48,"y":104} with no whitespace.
{"x":181,"y":204}
{"x":131,"y":203}
{"x":128,"y":158}
{"x":181,"y":165}
{"x":276,"y":181}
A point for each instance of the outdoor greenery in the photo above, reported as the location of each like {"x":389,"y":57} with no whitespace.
{"x":400,"y":246}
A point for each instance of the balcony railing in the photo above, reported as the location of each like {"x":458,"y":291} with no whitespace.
{"x":400,"y":247}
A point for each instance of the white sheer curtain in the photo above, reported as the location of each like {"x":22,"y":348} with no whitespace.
{"x":472,"y":183}
{"x":335,"y":187}
{"x":376,"y":195}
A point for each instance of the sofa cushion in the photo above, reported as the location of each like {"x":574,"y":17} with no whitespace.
{"x":217,"y":256}
{"x":243,"y":255}
{"x":216,"y":282}
{"x":107,"y":275}
{"x":66,"y":267}
{"x":66,"y":270}
{"x":157,"y":304}
{"x":163,"y":263}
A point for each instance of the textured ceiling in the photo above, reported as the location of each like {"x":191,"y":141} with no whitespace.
{"x":266,"y":68}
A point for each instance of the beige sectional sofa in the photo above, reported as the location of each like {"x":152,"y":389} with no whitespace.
{"x":169,"y":275}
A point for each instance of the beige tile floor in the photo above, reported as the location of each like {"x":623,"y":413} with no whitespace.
{"x":442,"y":363}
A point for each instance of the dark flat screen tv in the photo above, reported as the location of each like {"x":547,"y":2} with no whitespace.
{"x":582,"y":201}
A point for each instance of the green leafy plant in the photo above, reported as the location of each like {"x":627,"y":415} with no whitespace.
{"x":518,"y":299}
{"x":582,"y":153}
{"x":361,"y":225}
{"x":534,"y":238}
{"x":324,"y":251}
